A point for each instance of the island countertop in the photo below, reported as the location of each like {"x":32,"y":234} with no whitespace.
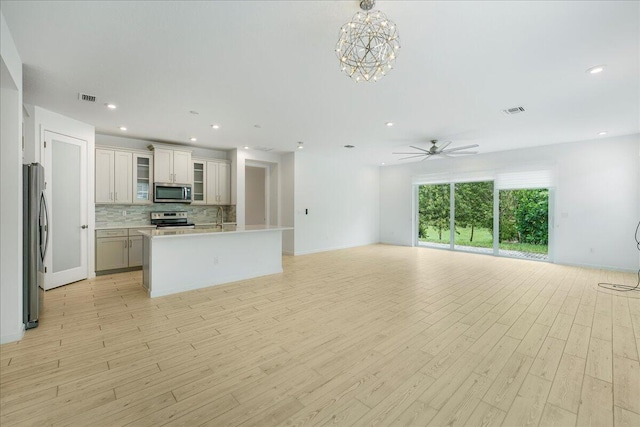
{"x":226,"y":229}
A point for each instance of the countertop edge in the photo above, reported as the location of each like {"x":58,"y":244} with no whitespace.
{"x":195,"y":233}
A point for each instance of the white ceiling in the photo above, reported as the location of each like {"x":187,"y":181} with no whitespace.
{"x":272,"y":63}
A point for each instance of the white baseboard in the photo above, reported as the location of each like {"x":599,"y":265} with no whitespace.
{"x":17,"y":336}
{"x":597,"y":267}
{"x":334,"y":248}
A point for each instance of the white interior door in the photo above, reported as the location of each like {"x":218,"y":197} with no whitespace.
{"x":65,"y":163}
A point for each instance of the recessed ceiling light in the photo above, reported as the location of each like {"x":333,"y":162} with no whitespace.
{"x":193,"y":139}
{"x":300,"y":146}
{"x":111,"y":106}
{"x":215,"y":126}
{"x":604,"y":132}
{"x":246,"y":148}
{"x":596,"y":70}
{"x":389,"y":124}
{"x":123,"y":128}
{"x":382,"y":164}
{"x":349,"y":146}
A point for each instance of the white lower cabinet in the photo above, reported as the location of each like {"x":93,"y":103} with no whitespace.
{"x":135,"y":251}
{"x":118,"y":248}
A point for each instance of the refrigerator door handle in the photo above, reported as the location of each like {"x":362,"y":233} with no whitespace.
{"x":43,"y":204}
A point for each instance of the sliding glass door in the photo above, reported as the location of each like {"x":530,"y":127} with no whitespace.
{"x":434,"y":208}
{"x":524,"y":223}
{"x":473,"y":216}
{"x":460,"y":216}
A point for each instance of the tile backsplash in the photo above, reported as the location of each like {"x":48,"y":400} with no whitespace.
{"x":110,"y":215}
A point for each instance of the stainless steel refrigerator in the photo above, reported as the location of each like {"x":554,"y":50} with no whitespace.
{"x":35,"y":242}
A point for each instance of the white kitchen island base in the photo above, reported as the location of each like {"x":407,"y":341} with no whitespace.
{"x":184,"y":260}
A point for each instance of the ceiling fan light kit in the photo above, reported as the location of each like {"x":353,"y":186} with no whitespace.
{"x":368,"y":44}
{"x":434,"y":150}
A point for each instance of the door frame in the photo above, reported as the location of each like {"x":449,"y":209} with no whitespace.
{"x":38,"y":120}
{"x":267,"y":187}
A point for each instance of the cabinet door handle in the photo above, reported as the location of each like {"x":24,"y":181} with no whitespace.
{"x":125,"y":243}
{"x":130,"y":243}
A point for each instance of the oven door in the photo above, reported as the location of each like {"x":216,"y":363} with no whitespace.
{"x":171,"y":193}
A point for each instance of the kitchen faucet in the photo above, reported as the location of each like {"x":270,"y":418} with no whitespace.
{"x":219,"y":217}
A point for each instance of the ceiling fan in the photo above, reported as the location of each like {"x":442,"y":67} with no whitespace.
{"x":434,"y":150}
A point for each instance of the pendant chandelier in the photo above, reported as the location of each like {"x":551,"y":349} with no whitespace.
{"x":368,"y":44}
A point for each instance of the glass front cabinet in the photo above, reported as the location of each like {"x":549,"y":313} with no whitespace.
{"x":199,"y":180}
{"x":142,"y":178}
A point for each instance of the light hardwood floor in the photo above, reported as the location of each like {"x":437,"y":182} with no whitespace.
{"x":376,"y":335}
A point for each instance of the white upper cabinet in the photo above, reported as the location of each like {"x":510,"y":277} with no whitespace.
{"x":123,"y":177}
{"x":224,"y":183}
{"x":199,"y":182}
{"x":114,"y":180}
{"x":218,"y":181}
{"x":104,"y":175}
{"x":162,"y":165}
{"x":182,"y":167}
{"x":142,"y":176}
{"x":171,"y":166}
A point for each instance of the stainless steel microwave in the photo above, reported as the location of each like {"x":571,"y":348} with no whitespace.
{"x":171,"y":193}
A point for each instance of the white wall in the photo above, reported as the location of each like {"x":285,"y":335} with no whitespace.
{"x":596,"y":205}
{"x":336,"y":203}
{"x":11,"y":326}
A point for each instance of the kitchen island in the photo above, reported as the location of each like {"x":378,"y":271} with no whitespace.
{"x":186,"y":259}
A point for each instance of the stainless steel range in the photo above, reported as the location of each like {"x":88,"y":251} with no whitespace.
{"x":170,"y":220}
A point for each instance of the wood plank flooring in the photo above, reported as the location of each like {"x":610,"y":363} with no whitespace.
{"x":375,"y":335}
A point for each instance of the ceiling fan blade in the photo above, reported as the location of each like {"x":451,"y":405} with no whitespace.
{"x":410,"y":153}
{"x":427,"y":157}
{"x":418,"y":148}
{"x":460,"y":152}
{"x":446,"y":144}
{"x":411,"y":157}
{"x":462,"y":148}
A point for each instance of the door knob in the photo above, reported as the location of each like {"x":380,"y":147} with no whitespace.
{"x":84,"y":226}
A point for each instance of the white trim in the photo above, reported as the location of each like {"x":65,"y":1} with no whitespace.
{"x":335,"y":248}
{"x":17,"y":336}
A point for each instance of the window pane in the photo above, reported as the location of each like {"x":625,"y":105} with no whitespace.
{"x":524,"y":223}
{"x":474,"y":216}
{"x":433,"y":215}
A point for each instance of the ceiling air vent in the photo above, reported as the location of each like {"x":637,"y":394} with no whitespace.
{"x":349,"y":146}
{"x":262,"y":148}
{"x":86,"y":97}
{"x":513,"y":110}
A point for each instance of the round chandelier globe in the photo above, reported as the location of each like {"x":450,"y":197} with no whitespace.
{"x":368,"y":46}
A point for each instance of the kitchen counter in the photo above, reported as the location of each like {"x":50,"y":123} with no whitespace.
{"x":226,"y":229}
{"x":186,"y":259}
{"x":113,"y":227}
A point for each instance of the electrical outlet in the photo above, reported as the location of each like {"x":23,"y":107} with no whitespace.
{"x":215,"y":260}
{"x":124,"y":213}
